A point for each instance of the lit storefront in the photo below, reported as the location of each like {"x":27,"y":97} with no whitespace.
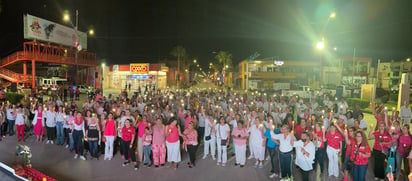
{"x":138,"y":75}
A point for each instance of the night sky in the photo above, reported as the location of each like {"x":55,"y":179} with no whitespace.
{"x":146,"y":30}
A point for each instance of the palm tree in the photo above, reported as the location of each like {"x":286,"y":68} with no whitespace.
{"x":180,"y":53}
{"x":223,"y":59}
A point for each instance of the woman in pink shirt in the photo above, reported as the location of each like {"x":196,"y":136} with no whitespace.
{"x":159,"y":143}
{"x":141,"y":126}
{"x":190,"y":139}
{"x":188,"y":119}
{"x":109,"y":134}
{"x":404,"y":147}
{"x":240,"y":136}
{"x":382,"y":142}
{"x":38,"y":122}
{"x":173,"y":142}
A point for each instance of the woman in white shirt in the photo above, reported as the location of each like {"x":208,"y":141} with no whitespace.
{"x":10,"y":118}
{"x":223,"y":135}
{"x":78,"y":135}
{"x":209,"y":137}
{"x":305,"y":155}
{"x":60,"y":119}
{"x":20,"y":118}
{"x":286,"y":140}
{"x":257,"y":141}
{"x":50,"y":124}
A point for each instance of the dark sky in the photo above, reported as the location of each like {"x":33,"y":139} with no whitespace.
{"x":146,"y":30}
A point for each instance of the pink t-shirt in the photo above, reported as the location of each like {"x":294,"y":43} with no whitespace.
{"x":158,"y":136}
{"x":404,"y":142}
{"x":191,"y":137}
{"x":140,"y":129}
{"x":109,"y":129}
{"x":187,"y":121}
{"x":235,"y":133}
{"x":147,"y":140}
{"x":174,"y":134}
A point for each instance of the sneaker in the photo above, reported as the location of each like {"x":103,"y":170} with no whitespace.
{"x":150,"y":165}
{"x":236,"y":164}
{"x":125,"y":164}
{"x":51,"y":142}
{"x":223,"y":164}
{"x":217,"y":163}
{"x":82,"y":158}
{"x":267,"y":158}
{"x":376,"y":178}
{"x":241,"y":166}
{"x":67,"y":146}
{"x":136,"y":167}
{"x":250,"y":157}
{"x":273,"y":175}
{"x":75,"y":156}
{"x":260,"y":165}
{"x":204,"y":157}
{"x":47,"y":142}
{"x":213,"y":157}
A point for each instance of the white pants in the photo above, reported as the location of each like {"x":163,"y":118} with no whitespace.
{"x":212,"y":144}
{"x":258,"y":151}
{"x":240,"y":154}
{"x":139,"y":149}
{"x":173,"y":152}
{"x":251,"y":148}
{"x":221,"y":152}
{"x":108,"y":149}
{"x":333,"y":156}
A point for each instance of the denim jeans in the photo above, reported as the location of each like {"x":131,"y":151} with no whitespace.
{"x":60,"y":133}
{"x":319,"y":158}
{"x":359,"y":172}
{"x":71,"y":141}
{"x":274,"y":159}
{"x":285,"y":160}
{"x":147,"y":150}
{"x":93,"y":148}
{"x":78,"y":142}
{"x":11,"y":127}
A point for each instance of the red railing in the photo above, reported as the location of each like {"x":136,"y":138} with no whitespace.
{"x":41,"y":52}
{"x":13,"y":76}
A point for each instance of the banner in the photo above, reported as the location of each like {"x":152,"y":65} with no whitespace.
{"x":139,"y":68}
{"x":36,"y":28}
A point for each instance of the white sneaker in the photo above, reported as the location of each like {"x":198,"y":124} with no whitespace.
{"x":376,"y":178}
{"x":82,"y":158}
{"x":47,"y":142}
{"x":67,"y":146}
{"x":250,"y":157}
{"x":213,"y":157}
{"x":217,"y":163}
{"x":260,"y":165}
{"x":204,"y":157}
{"x":267,"y":158}
{"x":75,"y":156}
{"x":223,"y":164}
{"x":273,"y":175}
{"x":51,"y":141}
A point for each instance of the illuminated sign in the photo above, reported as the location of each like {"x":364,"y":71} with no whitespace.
{"x":139,"y":68}
{"x":140,"y":77}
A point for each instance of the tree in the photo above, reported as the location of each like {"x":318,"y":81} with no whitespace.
{"x":222,"y":59}
{"x":180,"y":53}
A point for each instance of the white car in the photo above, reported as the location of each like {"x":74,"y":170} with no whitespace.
{"x":84,"y":89}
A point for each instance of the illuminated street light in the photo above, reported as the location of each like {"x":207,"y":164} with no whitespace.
{"x":91,"y":32}
{"x":227,"y":66}
{"x":320,"y":45}
{"x":194,"y":61}
{"x":66,"y":16}
{"x":408,"y":59}
{"x":332,"y":15}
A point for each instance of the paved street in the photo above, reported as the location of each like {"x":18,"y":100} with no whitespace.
{"x":57,"y":162}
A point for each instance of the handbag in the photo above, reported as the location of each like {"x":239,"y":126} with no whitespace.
{"x":350,"y":163}
{"x":223,"y":142}
{"x":207,"y":138}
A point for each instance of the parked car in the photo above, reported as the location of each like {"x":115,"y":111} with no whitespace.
{"x":395,"y":89}
{"x":84,"y":89}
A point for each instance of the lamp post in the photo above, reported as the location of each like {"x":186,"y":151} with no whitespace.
{"x":66,"y":18}
{"x":102,"y":81}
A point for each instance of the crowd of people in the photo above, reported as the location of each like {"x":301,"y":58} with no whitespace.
{"x":153,"y":127}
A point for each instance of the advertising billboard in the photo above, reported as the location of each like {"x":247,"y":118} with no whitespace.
{"x":139,"y":68}
{"x":36,"y":28}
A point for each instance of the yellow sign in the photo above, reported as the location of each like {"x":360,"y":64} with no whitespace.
{"x":139,"y":68}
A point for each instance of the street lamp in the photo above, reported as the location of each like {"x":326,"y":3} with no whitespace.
{"x":91,"y":32}
{"x":66,"y":18}
{"x":103,"y":65}
{"x":194,"y":61}
{"x":320,"y":45}
{"x":332,"y":15}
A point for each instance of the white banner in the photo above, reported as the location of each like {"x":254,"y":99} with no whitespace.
{"x":40,"y":29}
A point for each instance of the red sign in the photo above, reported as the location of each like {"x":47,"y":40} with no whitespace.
{"x":139,"y":68}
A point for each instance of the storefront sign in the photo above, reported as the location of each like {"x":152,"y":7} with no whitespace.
{"x":40,"y":29}
{"x":140,"y":77}
{"x":139,"y":68}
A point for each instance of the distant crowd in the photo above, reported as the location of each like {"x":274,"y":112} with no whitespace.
{"x":152,"y":127}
